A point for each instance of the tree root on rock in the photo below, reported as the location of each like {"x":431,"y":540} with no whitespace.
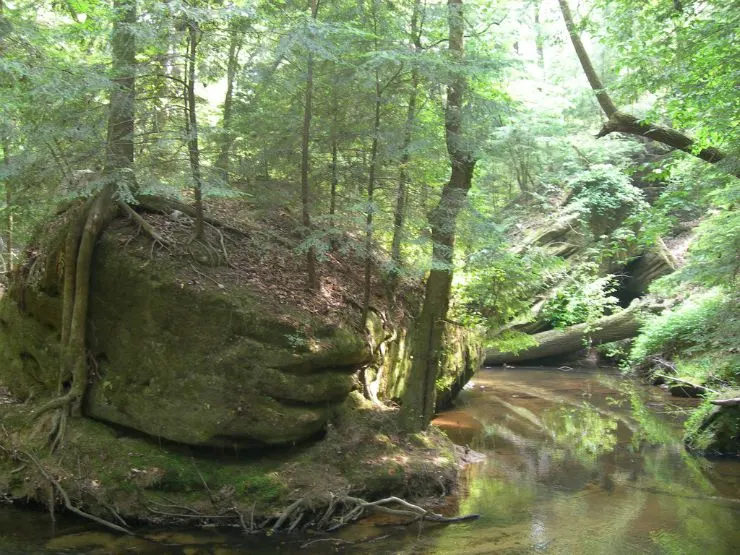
{"x":307,"y":513}
{"x":23,"y":456}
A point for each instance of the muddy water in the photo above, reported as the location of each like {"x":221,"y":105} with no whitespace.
{"x":577,"y":462}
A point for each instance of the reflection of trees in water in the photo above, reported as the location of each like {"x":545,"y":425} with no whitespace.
{"x":588,"y":474}
{"x":585,"y":432}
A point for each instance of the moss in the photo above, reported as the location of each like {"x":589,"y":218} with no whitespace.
{"x":362,"y":453}
{"x":714,"y":430}
{"x":211,"y":378}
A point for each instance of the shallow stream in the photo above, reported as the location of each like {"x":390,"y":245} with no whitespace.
{"x":577,"y":462}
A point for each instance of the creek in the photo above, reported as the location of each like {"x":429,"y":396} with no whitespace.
{"x":577,"y":462}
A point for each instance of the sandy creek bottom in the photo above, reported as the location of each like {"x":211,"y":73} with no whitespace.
{"x":577,"y":462}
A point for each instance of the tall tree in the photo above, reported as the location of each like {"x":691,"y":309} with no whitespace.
{"x":236,"y":38}
{"x":8,"y":205}
{"x":399,"y":216}
{"x":313,"y":280}
{"x":191,"y":123}
{"x":89,"y":219}
{"x":419,"y":396}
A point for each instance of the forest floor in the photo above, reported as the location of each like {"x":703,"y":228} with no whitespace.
{"x":263,"y":247}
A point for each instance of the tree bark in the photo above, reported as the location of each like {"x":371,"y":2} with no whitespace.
{"x":334,"y":179}
{"x":625,"y":123}
{"x":399,"y":216}
{"x":223,"y":163}
{"x":8,"y":208}
{"x":371,"y":182}
{"x":313,"y":281}
{"x":560,"y":342}
{"x":192,"y":128}
{"x":418,"y":400}
{"x":371,"y":200}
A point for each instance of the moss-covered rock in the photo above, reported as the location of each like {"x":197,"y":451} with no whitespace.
{"x":200,"y":356}
{"x":714,"y":430}
{"x":363,"y":453}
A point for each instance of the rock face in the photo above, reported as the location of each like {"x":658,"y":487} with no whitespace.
{"x":181,"y":358}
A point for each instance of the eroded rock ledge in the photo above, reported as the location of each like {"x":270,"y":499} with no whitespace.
{"x":205,"y":355}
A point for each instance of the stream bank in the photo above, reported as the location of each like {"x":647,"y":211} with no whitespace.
{"x":220,"y":389}
{"x":578,"y":462}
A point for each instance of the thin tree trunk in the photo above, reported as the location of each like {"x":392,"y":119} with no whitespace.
{"x":223,"y":163}
{"x":8,"y":208}
{"x":192,"y":129}
{"x":8,"y":186}
{"x":371,"y":199}
{"x":602,"y":96}
{"x":419,"y":395}
{"x":539,"y":39}
{"x":626,"y":123}
{"x":313,"y":281}
{"x":399,"y":216}
{"x":334,"y":180}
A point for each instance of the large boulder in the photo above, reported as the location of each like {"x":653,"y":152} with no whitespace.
{"x":179,"y":357}
{"x":212,"y":356}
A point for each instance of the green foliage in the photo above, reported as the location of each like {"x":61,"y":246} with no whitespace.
{"x":603,"y":195}
{"x":688,"y":53}
{"x":700,"y":334}
{"x":714,"y":257}
{"x":498,"y":284}
{"x":584,"y":299}
{"x":512,"y":341}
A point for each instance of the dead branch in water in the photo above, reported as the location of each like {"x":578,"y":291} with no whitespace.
{"x":687,"y":382}
{"x":726,"y":402}
{"x":343,"y":510}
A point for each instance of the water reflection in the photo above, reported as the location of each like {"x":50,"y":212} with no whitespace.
{"x":589,"y":463}
{"x":577,"y":463}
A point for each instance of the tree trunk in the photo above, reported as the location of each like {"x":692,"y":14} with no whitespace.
{"x":371,"y":199}
{"x":371,"y":183}
{"x":399,"y":216}
{"x":89,"y":220}
{"x":313,"y":281}
{"x":539,"y":39}
{"x":223,"y":163}
{"x":626,"y":123}
{"x":620,"y":122}
{"x":418,"y":399}
{"x":334,"y":180}
{"x":560,"y":342}
{"x":8,"y":208}
{"x":192,"y":128}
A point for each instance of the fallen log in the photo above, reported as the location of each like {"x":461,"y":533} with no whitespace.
{"x":559,"y":342}
{"x":726,"y":402}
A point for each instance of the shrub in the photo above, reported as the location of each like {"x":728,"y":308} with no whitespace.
{"x":583,"y":300}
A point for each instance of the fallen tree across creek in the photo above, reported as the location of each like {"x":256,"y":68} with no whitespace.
{"x":574,"y":338}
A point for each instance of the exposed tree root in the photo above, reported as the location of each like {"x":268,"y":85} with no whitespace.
{"x":166,"y":205}
{"x":308,"y":513}
{"x":143,"y":224}
{"x":87,"y":224}
{"x":343,"y":510}
{"x":26,"y":457}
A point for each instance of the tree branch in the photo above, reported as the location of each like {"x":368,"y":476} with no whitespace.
{"x":626,"y":123}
